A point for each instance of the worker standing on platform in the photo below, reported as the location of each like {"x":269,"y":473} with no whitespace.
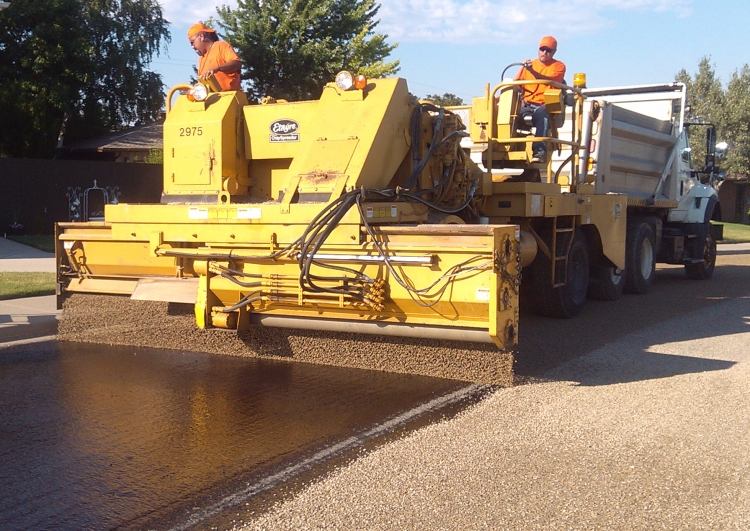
{"x":544,"y":67}
{"x":217,"y":58}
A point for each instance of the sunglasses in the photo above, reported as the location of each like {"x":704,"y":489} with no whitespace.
{"x":547,"y":50}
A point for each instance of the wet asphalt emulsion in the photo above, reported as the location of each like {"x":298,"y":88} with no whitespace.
{"x":101,"y":437}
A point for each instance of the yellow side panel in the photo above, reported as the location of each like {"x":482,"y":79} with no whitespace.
{"x":275,"y":131}
{"x":267,"y":177}
{"x":380,"y":122}
{"x":203,"y":144}
{"x":200,"y":156}
{"x":607,"y":213}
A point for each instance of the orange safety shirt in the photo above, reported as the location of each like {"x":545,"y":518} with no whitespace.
{"x":221,"y":52}
{"x":535,"y":93}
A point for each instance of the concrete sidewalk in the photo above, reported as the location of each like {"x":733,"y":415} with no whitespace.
{"x":27,"y":318}
{"x":17,"y":257}
{"x":32,"y":316}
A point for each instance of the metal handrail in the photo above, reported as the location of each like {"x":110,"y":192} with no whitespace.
{"x":576,"y":125}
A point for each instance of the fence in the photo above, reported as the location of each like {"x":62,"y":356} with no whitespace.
{"x":34,"y":194}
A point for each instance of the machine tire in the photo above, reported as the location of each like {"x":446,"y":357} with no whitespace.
{"x":565,"y":301}
{"x":640,"y":258}
{"x":605,"y":284}
{"x":705,"y":269}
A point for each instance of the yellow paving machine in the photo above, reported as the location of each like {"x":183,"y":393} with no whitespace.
{"x":370,"y":211}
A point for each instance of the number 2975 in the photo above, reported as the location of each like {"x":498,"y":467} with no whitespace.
{"x":191,"y":131}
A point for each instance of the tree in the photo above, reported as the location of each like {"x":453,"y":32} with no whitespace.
{"x":705,"y":98}
{"x":735,"y":123}
{"x":76,"y":68}
{"x":728,"y":109}
{"x":291,"y":48}
{"x":445,"y":100}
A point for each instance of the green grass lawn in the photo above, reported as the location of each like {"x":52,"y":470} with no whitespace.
{"x":18,"y":285}
{"x":736,"y":233}
{"x":45,"y":242}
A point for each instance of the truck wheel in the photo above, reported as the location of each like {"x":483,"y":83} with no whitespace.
{"x":605,"y":284}
{"x":704,"y":269}
{"x":565,"y":301}
{"x":640,"y":258}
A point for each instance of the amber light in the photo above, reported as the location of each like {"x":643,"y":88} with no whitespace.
{"x":360,"y":82}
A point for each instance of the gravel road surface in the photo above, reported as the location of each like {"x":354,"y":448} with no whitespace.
{"x":650,"y":430}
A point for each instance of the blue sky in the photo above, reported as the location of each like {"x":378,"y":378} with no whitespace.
{"x":459,"y":45}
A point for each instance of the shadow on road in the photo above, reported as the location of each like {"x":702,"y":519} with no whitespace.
{"x":635,"y":367}
{"x":546,"y":343}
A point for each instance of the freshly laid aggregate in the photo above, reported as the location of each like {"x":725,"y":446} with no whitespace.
{"x":648,"y":429}
{"x":649,"y":432}
{"x":114,"y":320}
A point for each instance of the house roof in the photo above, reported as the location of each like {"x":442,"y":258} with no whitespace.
{"x":141,"y":137}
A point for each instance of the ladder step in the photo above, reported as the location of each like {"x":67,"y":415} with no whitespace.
{"x":560,"y":257}
{"x":558,"y":285}
{"x":564,"y":230}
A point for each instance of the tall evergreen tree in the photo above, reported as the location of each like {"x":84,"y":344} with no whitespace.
{"x":291,"y":48}
{"x":76,"y":66}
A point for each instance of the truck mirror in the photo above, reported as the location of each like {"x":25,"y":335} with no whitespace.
{"x":685,"y":155}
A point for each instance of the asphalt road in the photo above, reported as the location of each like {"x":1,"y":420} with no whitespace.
{"x":636,"y":416}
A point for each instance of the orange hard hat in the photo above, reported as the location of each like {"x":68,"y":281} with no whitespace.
{"x":198,"y":28}
{"x":549,"y":42}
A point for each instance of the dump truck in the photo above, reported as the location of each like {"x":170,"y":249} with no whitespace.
{"x":369,"y":211}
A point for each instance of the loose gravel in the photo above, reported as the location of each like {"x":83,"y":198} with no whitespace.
{"x":648,"y":432}
{"x":120,"y":321}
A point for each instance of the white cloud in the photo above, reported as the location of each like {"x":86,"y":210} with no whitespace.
{"x":493,"y":21}
{"x":470,"y":21}
{"x":187,"y":12}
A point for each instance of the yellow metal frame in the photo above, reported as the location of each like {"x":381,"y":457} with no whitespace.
{"x":506,"y":148}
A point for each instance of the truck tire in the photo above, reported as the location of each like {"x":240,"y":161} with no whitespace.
{"x":605,"y":284}
{"x":704,"y":269}
{"x":640,"y":258}
{"x":565,"y":301}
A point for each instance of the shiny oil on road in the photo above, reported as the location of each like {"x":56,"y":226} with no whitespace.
{"x":101,"y":437}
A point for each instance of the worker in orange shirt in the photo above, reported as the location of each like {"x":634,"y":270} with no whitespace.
{"x":216,"y":57}
{"x":545,"y":67}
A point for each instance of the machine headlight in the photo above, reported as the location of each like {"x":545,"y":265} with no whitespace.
{"x":200,"y":92}
{"x":344,"y":80}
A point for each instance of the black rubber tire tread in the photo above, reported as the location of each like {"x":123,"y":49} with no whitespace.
{"x":566,"y":301}
{"x":636,"y":281}
{"x":705,"y":269}
{"x":602,"y":287}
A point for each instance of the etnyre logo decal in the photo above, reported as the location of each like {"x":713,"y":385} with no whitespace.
{"x":284,"y":130}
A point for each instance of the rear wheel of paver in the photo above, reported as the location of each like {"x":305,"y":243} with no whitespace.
{"x":564,"y":301}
